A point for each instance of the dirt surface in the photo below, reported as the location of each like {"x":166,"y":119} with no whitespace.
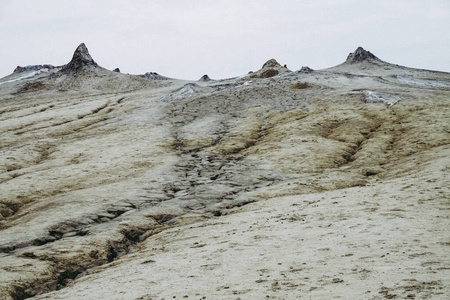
{"x":328,"y":184}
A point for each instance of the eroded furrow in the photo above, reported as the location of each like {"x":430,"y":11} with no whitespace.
{"x":206,"y":185}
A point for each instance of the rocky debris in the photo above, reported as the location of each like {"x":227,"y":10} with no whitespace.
{"x":116,"y":70}
{"x":154,"y":76}
{"x":20,"y":69}
{"x":305,"y":69}
{"x":361,"y":55}
{"x":205,"y":78}
{"x":81,"y":61}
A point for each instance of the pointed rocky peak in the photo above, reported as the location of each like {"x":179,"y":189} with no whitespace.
{"x":361,"y":55}
{"x":271,"y":63}
{"x":81,"y":60}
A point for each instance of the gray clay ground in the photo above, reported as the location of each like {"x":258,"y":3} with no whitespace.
{"x":280,"y":184}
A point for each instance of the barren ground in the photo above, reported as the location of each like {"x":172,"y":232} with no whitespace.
{"x":331,"y":184}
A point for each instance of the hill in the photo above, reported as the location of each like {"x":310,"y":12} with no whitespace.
{"x":277,"y":184}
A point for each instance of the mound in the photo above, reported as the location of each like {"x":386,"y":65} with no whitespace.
{"x":205,"y":78}
{"x":154,"y":76}
{"x":270,"y":68}
{"x":361,"y":55}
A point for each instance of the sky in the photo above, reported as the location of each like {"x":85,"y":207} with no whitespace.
{"x":190,"y":38}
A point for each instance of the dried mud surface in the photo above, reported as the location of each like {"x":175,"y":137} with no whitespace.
{"x":295,"y":186}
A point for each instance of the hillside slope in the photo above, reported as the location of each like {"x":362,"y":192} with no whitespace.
{"x":323,"y":184}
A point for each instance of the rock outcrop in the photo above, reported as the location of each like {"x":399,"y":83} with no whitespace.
{"x":305,"y":69}
{"x":154,"y":76}
{"x":20,"y":69}
{"x":361,"y":55}
{"x":81,"y":61}
{"x":116,"y":70}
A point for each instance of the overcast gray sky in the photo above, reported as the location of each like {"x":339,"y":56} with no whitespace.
{"x":223,"y":38}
